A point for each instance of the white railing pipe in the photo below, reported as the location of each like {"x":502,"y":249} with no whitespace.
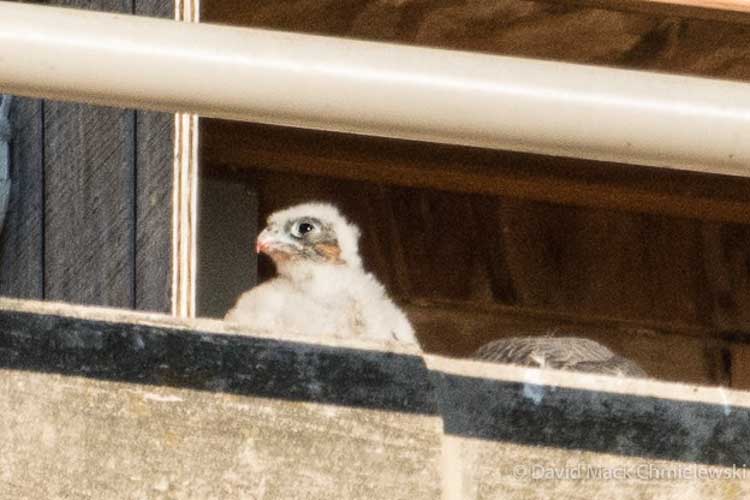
{"x":376,"y":88}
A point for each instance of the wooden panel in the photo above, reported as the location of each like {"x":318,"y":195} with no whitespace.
{"x":154,"y":163}
{"x":91,"y":196}
{"x":108,"y":197}
{"x":154,"y":8}
{"x":89,"y":209}
{"x":199,"y":408}
{"x":605,"y":262}
{"x":153,"y":206}
{"x":125,"y":6}
{"x":22,"y":239}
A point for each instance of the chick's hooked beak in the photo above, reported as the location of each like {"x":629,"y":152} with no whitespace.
{"x":265,"y":241}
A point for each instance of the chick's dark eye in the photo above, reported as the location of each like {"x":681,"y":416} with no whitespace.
{"x":305,"y":227}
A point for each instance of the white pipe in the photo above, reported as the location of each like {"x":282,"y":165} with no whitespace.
{"x":376,"y":88}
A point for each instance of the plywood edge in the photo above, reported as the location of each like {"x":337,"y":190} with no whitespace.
{"x":185,"y":195}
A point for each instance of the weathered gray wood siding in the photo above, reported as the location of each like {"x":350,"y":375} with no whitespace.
{"x":90,"y":212}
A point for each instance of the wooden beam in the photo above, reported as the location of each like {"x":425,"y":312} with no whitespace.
{"x":22,"y":239}
{"x":198,"y":407}
{"x":727,"y":11}
{"x":471,"y":170}
{"x":89,"y":214}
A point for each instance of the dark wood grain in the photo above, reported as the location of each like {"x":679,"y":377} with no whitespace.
{"x":22,"y":238}
{"x":108,"y":196}
{"x":154,"y":8}
{"x":740,"y":366}
{"x":598,"y":262}
{"x":727,"y":11}
{"x":125,"y":6}
{"x":89,"y":209}
{"x":154,"y":163}
{"x":89,"y":154}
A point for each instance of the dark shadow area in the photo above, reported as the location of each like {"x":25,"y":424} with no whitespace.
{"x":470,"y":406}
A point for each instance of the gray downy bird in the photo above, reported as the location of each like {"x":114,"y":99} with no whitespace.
{"x":564,"y":353}
{"x":321,"y":288}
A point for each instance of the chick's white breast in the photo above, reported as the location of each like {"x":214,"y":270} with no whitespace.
{"x":277,"y":306}
{"x":349,"y":305}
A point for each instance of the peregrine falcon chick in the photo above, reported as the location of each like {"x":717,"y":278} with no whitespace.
{"x":564,"y":353}
{"x":320,"y":287}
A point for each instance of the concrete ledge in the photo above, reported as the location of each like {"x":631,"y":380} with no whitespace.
{"x":110,"y":404}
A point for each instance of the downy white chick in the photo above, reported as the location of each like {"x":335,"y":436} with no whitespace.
{"x":321,"y":287}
